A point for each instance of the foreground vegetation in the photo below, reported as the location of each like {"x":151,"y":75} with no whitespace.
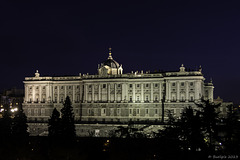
{"x":197,"y":134}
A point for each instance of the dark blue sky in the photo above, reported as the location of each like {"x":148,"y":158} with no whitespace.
{"x":66,"y":39}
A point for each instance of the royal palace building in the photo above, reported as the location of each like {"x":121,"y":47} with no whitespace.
{"x":104,"y":101}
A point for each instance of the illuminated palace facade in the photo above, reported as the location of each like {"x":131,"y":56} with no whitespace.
{"x":110,"y":98}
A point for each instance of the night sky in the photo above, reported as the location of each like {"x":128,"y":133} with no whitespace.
{"x":68,"y":39}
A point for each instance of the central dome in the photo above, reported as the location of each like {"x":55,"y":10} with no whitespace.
{"x":111,"y":63}
{"x":110,"y":66}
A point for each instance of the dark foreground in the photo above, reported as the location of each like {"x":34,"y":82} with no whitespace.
{"x":41,"y":148}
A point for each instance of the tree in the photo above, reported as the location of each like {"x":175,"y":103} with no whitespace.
{"x":54,"y":124}
{"x":19,"y":125}
{"x":232,"y":131}
{"x":67,"y":122}
{"x":6,"y":122}
{"x":209,"y":118}
{"x":190,"y":127}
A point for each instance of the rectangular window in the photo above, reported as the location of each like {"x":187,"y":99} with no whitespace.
{"x":182,"y":84}
{"x":138,"y":111}
{"x":130,"y":85}
{"x":173,"y":84}
{"x":156,"y":111}
{"x":138,"y":85}
{"x":156,"y":85}
{"x":147,"y":111}
{"x":146,"y":85}
{"x":119,"y":85}
{"x":29,"y":112}
{"x":42,"y":111}
{"x":103,"y":111}
{"x":104,"y":85}
{"x":118,"y":111}
{"x":35,"y":111}
{"x":55,"y":87}
{"x":130,"y":111}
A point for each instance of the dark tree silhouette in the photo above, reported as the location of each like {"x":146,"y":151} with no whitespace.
{"x":232,"y":131}
{"x":54,"y":125}
{"x":210,"y":118}
{"x":6,"y":123}
{"x":19,"y":125}
{"x":190,"y":127}
{"x":67,"y":123}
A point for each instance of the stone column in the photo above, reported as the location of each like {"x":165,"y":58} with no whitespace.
{"x":47,"y":93}
{"x":160,"y":92}
{"x":58,"y":94}
{"x":51,"y":92}
{"x":166,"y":91}
{"x":65,"y":92}
{"x":178,"y":91}
{"x":115,"y":92}
{"x":73,"y":98}
{"x":126,"y":93}
{"x":86,"y":93}
{"x":187,"y":92}
{"x":151,"y":98}
{"x":196,"y":90}
{"x":142,"y":93}
{"x":93,"y":93}
{"x":33,"y":93}
{"x":108,"y":97}
{"x":133,"y":93}
{"x":40,"y":94}
{"x":26,"y":93}
{"x":99,"y":92}
{"x":123,"y":91}
{"x":169,"y":92}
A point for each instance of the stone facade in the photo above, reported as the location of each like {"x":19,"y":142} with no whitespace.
{"x":113,"y":97}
